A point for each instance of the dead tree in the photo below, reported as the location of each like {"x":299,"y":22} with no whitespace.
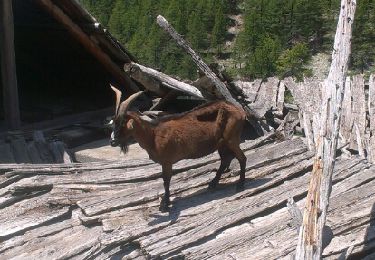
{"x":221,"y":87}
{"x":311,"y":232}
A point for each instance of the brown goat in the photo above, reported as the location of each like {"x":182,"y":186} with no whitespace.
{"x":199,"y":132}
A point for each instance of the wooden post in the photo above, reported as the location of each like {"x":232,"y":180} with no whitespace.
{"x":311,"y":232}
{"x":8,"y":66}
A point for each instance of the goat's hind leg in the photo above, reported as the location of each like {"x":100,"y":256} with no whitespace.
{"x":167,"y":174}
{"x":242,"y":160}
{"x":226,"y":157}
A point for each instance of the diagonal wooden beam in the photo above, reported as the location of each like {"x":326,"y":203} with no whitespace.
{"x":86,"y":41}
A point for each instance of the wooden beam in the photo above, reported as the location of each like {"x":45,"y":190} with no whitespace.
{"x":8,"y":66}
{"x":86,"y":41}
{"x":146,"y":76}
{"x":310,"y":242}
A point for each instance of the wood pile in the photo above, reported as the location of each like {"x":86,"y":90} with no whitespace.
{"x":357,"y":124}
{"x":105,"y":210}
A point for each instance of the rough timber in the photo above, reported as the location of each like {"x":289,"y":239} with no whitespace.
{"x":104,"y":210}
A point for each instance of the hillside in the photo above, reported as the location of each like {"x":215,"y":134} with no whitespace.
{"x":251,"y":38}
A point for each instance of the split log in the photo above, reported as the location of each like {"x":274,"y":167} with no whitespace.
{"x":311,"y":233}
{"x":358,"y":114}
{"x":371,"y":108}
{"x":146,"y":76}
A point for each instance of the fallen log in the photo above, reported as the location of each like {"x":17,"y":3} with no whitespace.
{"x":261,"y":128}
{"x":146,"y":76}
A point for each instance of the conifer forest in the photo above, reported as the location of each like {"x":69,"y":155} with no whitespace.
{"x":274,"y":38}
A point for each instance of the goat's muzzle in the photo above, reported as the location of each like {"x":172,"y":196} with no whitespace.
{"x":113,"y":141}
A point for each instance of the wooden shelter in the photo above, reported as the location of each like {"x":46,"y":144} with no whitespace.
{"x":54,"y":51}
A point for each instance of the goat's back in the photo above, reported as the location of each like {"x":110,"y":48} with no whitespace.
{"x":198,"y":132}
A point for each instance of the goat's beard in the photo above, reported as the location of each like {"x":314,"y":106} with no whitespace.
{"x":124,"y":147}
{"x":124,"y":144}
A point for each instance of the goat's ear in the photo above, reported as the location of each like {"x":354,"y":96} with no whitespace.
{"x":129,"y":124}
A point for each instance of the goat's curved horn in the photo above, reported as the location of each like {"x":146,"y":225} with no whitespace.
{"x":118,"y":98}
{"x":126,"y":104}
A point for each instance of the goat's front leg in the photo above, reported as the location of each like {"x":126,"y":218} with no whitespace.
{"x":167,"y":174}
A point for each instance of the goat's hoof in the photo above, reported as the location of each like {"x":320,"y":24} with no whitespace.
{"x":212,"y":185}
{"x":164,"y":208}
{"x":240,"y":186}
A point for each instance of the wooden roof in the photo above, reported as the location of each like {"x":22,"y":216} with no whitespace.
{"x":70,"y":17}
{"x":104,"y":210}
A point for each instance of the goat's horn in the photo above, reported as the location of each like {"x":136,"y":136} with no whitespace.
{"x":126,"y":104}
{"x":118,"y":98}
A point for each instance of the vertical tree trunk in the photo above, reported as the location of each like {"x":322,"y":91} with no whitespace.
{"x":311,"y":232}
{"x":8,"y":66}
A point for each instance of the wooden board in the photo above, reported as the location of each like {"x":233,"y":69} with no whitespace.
{"x":103,"y":210}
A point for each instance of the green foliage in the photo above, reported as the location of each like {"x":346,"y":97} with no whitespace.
{"x":202,"y":22}
{"x":363,"y":51}
{"x":291,"y":61}
{"x":278,"y":36}
{"x":262,"y":62}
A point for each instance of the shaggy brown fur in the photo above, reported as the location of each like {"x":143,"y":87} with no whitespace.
{"x":199,"y":132}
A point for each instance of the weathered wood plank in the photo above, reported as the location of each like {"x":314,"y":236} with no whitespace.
{"x":263,"y":177}
{"x":28,"y":214}
{"x":347,"y":117}
{"x":358,"y":114}
{"x":250,"y":89}
{"x":272,"y":236}
{"x":75,"y":240}
{"x":371,"y":109}
{"x":143,"y":192}
{"x":228,"y":213}
{"x":266,"y":97}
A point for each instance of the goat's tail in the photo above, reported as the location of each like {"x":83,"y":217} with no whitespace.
{"x":221,"y":121}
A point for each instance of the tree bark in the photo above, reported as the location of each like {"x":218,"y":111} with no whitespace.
{"x":311,"y":233}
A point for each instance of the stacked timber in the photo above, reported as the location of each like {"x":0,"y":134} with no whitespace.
{"x":110,"y":210}
{"x":357,"y":125}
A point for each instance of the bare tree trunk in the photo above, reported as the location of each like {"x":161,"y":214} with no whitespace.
{"x":311,"y":232}
{"x":261,"y":128}
{"x":198,"y":60}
